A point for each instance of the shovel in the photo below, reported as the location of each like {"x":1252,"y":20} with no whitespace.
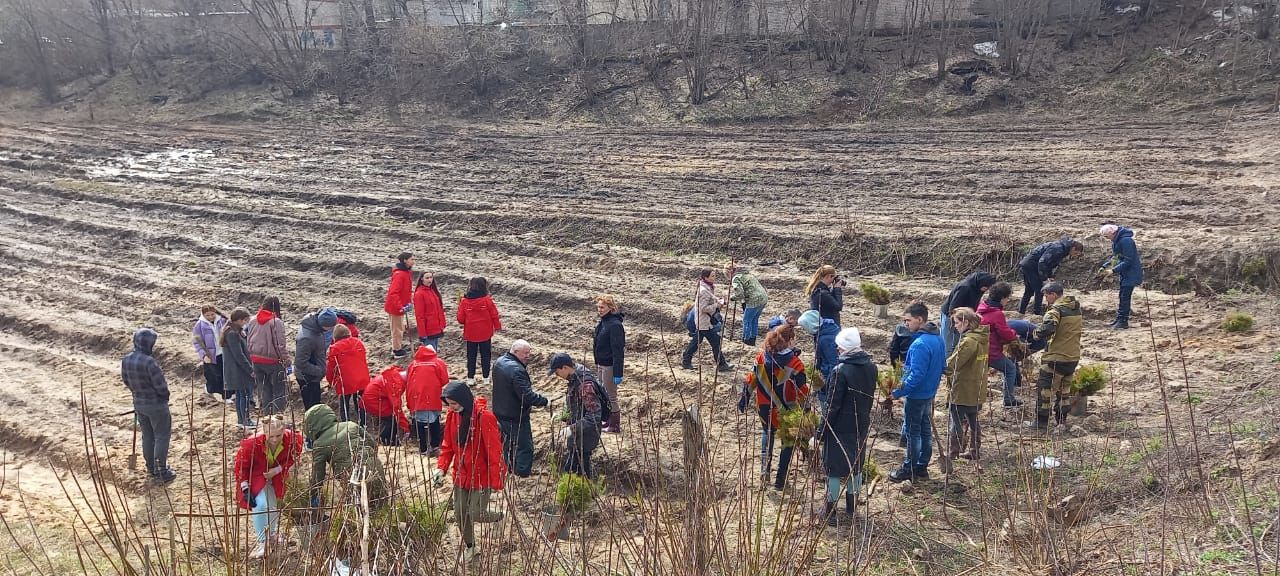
{"x":133,"y":453}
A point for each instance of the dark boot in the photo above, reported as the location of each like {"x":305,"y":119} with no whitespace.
{"x":902,"y":474}
{"x":687,"y":365}
{"x":749,"y":341}
{"x":829,"y":514}
{"x":725,"y":366}
{"x":850,"y":504}
{"x":1120,"y":325}
{"x":615,"y":423}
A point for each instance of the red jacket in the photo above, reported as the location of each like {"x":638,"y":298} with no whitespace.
{"x":477,"y":464}
{"x":479,"y":318}
{"x":348,"y":366}
{"x":384,"y":396}
{"x":428,"y":311}
{"x":251,"y":464}
{"x":400,"y":292}
{"x":428,"y":375}
{"x":1001,"y":334}
{"x":794,"y":390}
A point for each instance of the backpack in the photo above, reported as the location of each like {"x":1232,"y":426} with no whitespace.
{"x":347,"y":316}
{"x":606,"y":412}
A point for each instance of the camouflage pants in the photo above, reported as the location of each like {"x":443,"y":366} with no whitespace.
{"x":1054,"y":384}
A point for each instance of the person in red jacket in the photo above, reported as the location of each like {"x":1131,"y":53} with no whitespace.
{"x":428,"y":310}
{"x":991,"y":309}
{"x":383,"y":398}
{"x":261,"y":469}
{"x":427,"y":377}
{"x":348,"y":372}
{"x":478,"y":316}
{"x":399,"y":302}
{"x":473,"y":448}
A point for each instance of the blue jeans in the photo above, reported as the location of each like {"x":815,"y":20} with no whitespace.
{"x":918,"y":415}
{"x":432,"y":341}
{"x":767,"y":436}
{"x":244,"y":408}
{"x":751,"y":323}
{"x":1009,"y":368}
{"x":1126,"y":304}
{"x":949,"y":336}
{"x":266,"y":512}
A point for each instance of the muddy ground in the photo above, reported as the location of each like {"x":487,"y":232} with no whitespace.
{"x":108,"y":228}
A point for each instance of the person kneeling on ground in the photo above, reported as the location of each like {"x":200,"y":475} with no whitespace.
{"x":472,"y":447}
{"x":848,"y":418}
{"x":1062,"y":326}
{"x":261,"y":471}
{"x":967,"y":368}
{"x":921,"y":374}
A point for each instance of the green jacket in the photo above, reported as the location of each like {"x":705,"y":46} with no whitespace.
{"x":341,"y":445}
{"x":746,"y":288}
{"x":1064,"y":322}
{"x":967,"y":367}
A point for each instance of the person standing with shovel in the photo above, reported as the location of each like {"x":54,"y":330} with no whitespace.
{"x":145,"y":380}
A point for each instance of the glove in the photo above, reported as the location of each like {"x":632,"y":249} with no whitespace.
{"x":564,"y":434}
{"x":288,"y":370}
{"x":617,"y":380}
{"x":244,"y":489}
{"x":437,"y":478}
{"x":1107,"y":273}
{"x":407,"y":308}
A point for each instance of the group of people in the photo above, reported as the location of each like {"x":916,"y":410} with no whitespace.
{"x":482,"y":440}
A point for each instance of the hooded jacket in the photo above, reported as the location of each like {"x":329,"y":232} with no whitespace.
{"x":252,"y":462}
{"x":347,"y":368}
{"x":384,"y":396}
{"x":427,"y":377}
{"x":1064,"y":323}
{"x":993,"y":315}
{"x":771,"y":375}
{"x":899,"y":343}
{"x":237,"y":370}
{"x":848,"y":417}
{"x":828,"y":301}
{"x":513,"y":394}
{"x":968,"y":368}
{"x":705,"y":305}
{"x":479,"y":317}
{"x":312,"y":348}
{"x":746,"y":288}
{"x":342,"y":446}
{"x":477,"y":463}
{"x":1044,"y":259}
{"x":1125,"y":261}
{"x":922,"y":370}
{"x":266,"y":340}
{"x":609,"y":345}
{"x":399,"y":291}
{"x":968,"y":292}
{"x":825,"y":352}
{"x":141,"y":373}
{"x":204,"y":337}
{"x":428,"y":312}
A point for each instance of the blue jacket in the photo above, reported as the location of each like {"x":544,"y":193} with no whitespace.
{"x":922,"y":372}
{"x":1125,"y":262}
{"x":825,"y":353}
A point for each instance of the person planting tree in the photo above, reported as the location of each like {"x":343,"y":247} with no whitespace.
{"x":992,"y":311}
{"x":1126,"y":263}
{"x":513,"y":399}
{"x":1038,"y":268}
{"x":779,"y":386}
{"x":585,"y":398}
{"x":261,"y":472}
{"x":967,"y":294}
{"x":1063,"y":325}
{"x":746,"y":290}
{"x":347,"y":370}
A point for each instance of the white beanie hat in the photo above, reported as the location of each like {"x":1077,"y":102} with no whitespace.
{"x":1108,"y":229}
{"x":849,"y":340}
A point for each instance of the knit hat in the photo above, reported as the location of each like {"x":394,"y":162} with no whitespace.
{"x":1108,"y":229}
{"x":849,"y":340}
{"x":328,"y":318}
{"x":810,"y":321}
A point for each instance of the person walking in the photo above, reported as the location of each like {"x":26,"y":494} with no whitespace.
{"x":347,"y":370}
{"x":778,"y":383}
{"x":967,"y":368}
{"x":581,"y":432}
{"x":261,"y":471}
{"x":383,"y":399}
{"x":921,"y":375}
{"x":269,"y":353}
{"x":991,"y":309}
{"x":399,"y":301}
{"x":513,"y":399}
{"x":311,"y":353}
{"x":825,"y":291}
{"x":205,"y":337}
{"x":848,"y":419}
{"x":967,"y":294}
{"x":1038,"y":268}
{"x":479,"y":318}
{"x":428,"y":311}
{"x":608,"y":348}
{"x":425,"y":381}
{"x":746,"y":290}
{"x":471,"y":448}
{"x":1062,"y":327}
{"x":146,"y":382}
{"x":237,"y":370}
{"x":706,"y":308}
{"x":1126,"y":263}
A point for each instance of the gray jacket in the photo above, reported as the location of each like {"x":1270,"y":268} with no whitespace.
{"x":237,"y":371}
{"x":311,"y":350}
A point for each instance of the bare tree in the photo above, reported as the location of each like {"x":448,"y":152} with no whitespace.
{"x":287,"y":54}
{"x":35,"y":45}
{"x":102,"y":16}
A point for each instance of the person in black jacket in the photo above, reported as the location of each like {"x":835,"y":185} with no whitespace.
{"x":848,"y":419}
{"x":966,"y":294}
{"x":1038,"y":267}
{"x":826,"y":292}
{"x":609,"y":347}
{"x":513,"y":398}
{"x":311,"y":353}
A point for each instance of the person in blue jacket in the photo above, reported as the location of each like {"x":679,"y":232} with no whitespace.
{"x":1126,"y":264}
{"x":921,"y":374}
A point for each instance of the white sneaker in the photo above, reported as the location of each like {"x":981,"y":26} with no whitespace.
{"x":258,"y":551}
{"x":470,"y":554}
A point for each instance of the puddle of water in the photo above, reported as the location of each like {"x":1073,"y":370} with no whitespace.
{"x":153,"y":165}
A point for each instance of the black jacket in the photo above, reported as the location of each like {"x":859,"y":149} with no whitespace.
{"x":610,"y":342}
{"x":311,"y":350}
{"x":513,"y":394}
{"x":1045,"y":258}
{"x":827,"y":301}
{"x":853,"y":388}
{"x":968,"y":292}
{"x":899,"y":343}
